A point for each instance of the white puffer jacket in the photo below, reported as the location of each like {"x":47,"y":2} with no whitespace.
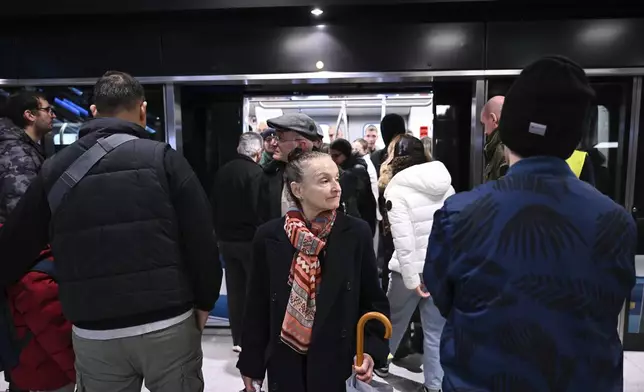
{"x":413,"y":196}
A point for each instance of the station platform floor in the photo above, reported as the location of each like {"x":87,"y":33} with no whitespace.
{"x":221,"y":375}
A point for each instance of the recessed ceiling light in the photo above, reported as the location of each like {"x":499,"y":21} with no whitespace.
{"x":319,"y":65}
{"x":317,"y":11}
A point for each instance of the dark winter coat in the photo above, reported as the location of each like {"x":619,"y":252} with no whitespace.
{"x":349,"y":289}
{"x":531,"y":273}
{"x":134,"y":240}
{"x":234,"y":198}
{"x":356,"y":190}
{"x":20,"y":162}
{"x":495,"y":163}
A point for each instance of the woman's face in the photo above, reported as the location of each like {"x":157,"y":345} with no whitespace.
{"x":320,"y":189}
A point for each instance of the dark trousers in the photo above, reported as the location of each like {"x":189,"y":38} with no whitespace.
{"x":238,"y":262}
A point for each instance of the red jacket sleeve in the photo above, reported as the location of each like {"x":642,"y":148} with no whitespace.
{"x":38,"y":303}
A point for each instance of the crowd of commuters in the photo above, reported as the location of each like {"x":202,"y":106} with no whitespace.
{"x":518,"y":283}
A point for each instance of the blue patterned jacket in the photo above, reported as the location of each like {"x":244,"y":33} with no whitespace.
{"x":531,"y":273}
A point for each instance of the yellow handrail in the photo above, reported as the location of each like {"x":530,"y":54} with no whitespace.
{"x":360,"y":335}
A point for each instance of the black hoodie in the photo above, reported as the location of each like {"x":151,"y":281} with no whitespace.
{"x":390,"y":126}
{"x":133,"y":239}
{"x":356,"y":191}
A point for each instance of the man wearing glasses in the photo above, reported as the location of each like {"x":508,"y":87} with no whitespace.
{"x":24,"y":122}
{"x":28,"y":118}
{"x":296,"y":130}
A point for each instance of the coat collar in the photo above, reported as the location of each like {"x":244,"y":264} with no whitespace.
{"x":541,"y":165}
{"x":334,"y":271}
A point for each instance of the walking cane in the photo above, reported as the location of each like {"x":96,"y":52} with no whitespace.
{"x":360,"y":335}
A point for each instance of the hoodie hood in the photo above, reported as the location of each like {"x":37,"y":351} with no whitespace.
{"x":430,"y":178}
{"x":10,"y":131}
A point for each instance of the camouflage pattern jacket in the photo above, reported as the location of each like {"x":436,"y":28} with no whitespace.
{"x":20,"y":162}
{"x":495,"y":163}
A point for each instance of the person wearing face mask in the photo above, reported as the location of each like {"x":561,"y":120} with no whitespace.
{"x":314,"y":276}
{"x":136,"y":257}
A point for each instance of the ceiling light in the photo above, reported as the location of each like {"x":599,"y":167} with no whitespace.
{"x":319,"y":65}
{"x":317,"y":11}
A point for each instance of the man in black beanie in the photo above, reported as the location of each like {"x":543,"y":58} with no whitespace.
{"x":531,"y":271}
{"x":390,"y":126}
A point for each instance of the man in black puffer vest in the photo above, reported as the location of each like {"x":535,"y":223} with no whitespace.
{"x":136,"y":257}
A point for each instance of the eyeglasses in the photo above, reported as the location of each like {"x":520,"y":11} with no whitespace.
{"x":282,"y":140}
{"x":48,"y":109}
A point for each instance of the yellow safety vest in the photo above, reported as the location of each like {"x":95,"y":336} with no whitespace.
{"x":576,"y":162}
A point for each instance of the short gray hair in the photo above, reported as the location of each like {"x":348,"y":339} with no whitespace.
{"x":250,"y":143}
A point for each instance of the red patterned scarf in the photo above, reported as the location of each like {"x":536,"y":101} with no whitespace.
{"x":305,"y":276}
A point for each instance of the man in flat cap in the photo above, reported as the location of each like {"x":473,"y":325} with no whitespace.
{"x":296,"y":130}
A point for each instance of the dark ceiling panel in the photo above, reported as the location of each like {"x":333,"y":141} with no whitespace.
{"x":598,"y":43}
{"x":76,"y":7}
{"x":8,"y":66}
{"x":89,"y":51}
{"x":244,"y":50}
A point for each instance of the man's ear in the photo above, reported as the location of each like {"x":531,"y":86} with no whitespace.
{"x":29,"y":116}
{"x":144,"y":112}
{"x":92,"y":109}
{"x":494,"y":118}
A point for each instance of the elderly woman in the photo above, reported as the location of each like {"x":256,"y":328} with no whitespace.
{"x":315,"y":275}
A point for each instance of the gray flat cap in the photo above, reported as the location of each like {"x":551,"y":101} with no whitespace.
{"x":297,"y":122}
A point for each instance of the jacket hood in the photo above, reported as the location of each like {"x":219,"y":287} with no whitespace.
{"x":430,"y":178}
{"x":353,"y":161}
{"x":113,"y":125}
{"x":10,"y":131}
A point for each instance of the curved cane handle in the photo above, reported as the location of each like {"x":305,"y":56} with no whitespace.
{"x":360,"y":335}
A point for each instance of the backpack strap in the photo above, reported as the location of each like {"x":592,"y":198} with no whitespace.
{"x":81,"y":166}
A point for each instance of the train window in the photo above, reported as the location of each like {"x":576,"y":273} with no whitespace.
{"x":347,"y":116}
{"x":72,"y":108}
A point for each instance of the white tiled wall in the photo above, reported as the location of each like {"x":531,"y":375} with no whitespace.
{"x":222,"y":376}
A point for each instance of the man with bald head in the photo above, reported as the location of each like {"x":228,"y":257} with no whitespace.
{"x":495,"y":163}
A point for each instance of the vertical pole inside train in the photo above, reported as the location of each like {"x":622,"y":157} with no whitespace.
{"x":477,"y":139}
{"x":172,"y":103}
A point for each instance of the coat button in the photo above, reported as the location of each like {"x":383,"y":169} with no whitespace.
{"x":343,"y":334}
{"x":348,"y":286}
{"x":274,"y":297}
{"x":274,"y":386}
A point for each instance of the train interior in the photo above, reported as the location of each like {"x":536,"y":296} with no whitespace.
{"x":211,"y":117}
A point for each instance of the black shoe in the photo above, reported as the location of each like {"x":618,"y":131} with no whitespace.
{"x":382,"y":372}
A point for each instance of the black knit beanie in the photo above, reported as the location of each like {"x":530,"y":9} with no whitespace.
{"x":391,"y":125}
{"x":547,"y":110}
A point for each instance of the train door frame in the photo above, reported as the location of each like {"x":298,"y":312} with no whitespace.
{"x":633,"y":341}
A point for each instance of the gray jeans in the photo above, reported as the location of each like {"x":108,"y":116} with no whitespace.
{"x":169,"y":360}
{"x":403,"y":302}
